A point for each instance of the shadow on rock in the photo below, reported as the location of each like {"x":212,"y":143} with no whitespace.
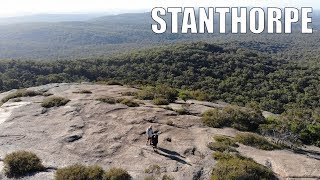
{"x":172,"y":155}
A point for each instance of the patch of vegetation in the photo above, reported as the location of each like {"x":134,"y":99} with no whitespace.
{"x":182,"y":111}
{"x":167,"y":177}
{"x":255,"y":140}
{"x":226,"y":140}
{"x":238,"y":118}
{"x":79,"y":172}
{"x":128,"y":102}
{"x":197,"y":95}
{"x":150,"y":178}
{"x":223,"y":144}
{"x":293,"y":128}
{"x":230,"y":167}
{"x":114,"y":82}
{"x":54,"y":102}
{"x":108,"y":100}
{"x":160,"y":101}
{"x":20,"y":93}
{"x":153,"y":169}
{"x":129,"y":93}
{"x":83,"y":92}
{"x":116,"y":174}
{"x":21,"y":163}
{"x":159,"y":92}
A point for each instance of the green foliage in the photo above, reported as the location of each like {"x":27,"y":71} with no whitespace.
{"x":116,"y":174}
{"x":54,"y":102}
{"x":226,"y":140}
{"x":79,"y":172}
{"x":128,"y":102}
{"x":255,"y":140}
{"x":197,"y":95}
{"x":160,"y":101}
{"x":222,"y":144}
{"x":238,"y":118}
{"x":157,"y":93}
{"x":20,"y":93}
{"x":21,"y":163}
{"x":296,"y":126}
{"x":240,"y":168}
{"x":108,"y":100}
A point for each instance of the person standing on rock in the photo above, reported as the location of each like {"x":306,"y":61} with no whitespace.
{"x":149,"y":133}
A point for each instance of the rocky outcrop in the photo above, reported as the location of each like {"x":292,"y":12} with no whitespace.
{"x":113,"y":135}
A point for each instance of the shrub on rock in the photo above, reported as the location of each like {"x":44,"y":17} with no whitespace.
{"x":238,"y":118}
{"x":160,"y":101}
{"x":240,"y":168}
{"x":116,"y":174}
{"x":21,"y":163}
{"x":20,"y":93}
{"x":54,"y":102}
{"x":255,"y":140}
{"x":80,"y":172}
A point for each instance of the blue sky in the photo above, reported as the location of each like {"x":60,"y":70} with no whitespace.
{"x":22,"y":7}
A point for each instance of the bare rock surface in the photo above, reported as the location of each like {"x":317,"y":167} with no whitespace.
{"x":113,"y":135}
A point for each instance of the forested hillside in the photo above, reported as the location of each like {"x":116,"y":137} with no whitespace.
{"x":230,"y":74}
{"x":104,"y":36}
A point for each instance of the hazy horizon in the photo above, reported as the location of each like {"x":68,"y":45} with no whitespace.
{"x":14,"y":8}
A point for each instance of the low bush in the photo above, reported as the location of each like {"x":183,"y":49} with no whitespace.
{"x":161,"y":91}
{"x":226,"y":140}
{"x":20,"y":93}
{"x":255,"y":140}
{"x":221,"y":147}
{"x":160,"y":101}
{"x":197,"y":95}
{"x":54,"y":102}
{"x":222,"y":144}
{"x":240,"y":168}
{"x":21,"y":163}
{"x":128,"y":102}
{"x":83,"y":92}
{"x":107,"y":100}
{"x":116,"y":174}
{"x":79,"y":172}
{"x":167,"y":177}
{"x":238,"y":118}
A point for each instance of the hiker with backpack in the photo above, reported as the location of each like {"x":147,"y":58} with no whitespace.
{"x":154,"y":141}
